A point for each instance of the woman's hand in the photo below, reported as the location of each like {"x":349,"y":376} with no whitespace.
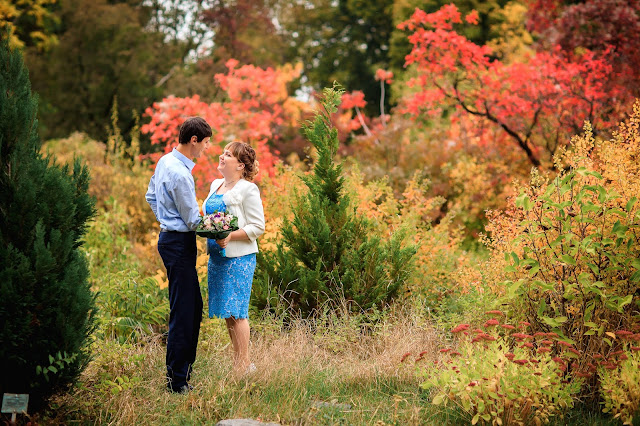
{"x":223,"y":242}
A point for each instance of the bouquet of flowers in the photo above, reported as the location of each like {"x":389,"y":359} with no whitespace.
{"x":217,"y":225}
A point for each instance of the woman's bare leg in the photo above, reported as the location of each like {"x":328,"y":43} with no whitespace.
{"x":239,"y":332}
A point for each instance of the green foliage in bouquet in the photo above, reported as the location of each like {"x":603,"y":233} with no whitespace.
{"x":326,"y":253}
{"x":46,"y":305}
{"x":213,"y":225}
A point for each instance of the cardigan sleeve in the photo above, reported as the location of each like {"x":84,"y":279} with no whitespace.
{"x":254,"y":213}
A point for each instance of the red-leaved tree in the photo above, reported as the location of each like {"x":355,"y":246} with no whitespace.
{"x":536,"y":103}
{"x":257,"y":105}
{"x":608,"y":27}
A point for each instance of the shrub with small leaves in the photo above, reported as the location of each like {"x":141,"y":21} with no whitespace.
{"x":572,"y":245}
{"x":620,"y":382}
{"x":501,"y":374}
{"x":131,"y":306}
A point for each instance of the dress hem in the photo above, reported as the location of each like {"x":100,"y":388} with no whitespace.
{"x":211,"y":316}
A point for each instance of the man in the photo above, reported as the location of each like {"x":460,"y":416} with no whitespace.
{"x":172,"y":198}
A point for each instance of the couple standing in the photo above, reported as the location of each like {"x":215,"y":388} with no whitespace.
{"x":172,"y":198}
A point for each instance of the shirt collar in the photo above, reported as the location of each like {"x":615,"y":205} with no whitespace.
{"x":187,"y":161}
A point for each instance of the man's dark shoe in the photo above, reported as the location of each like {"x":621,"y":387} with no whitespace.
{"x":184,"y":389}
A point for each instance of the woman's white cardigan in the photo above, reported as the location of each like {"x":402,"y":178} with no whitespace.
{"x":242,"y":201}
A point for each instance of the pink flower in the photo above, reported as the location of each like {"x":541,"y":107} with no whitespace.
{"x":520,"y":336}
{"x":461,"y":327}
{"x":383,"y":75}
{"x":353,"y":99}
{"x":491,"y":322}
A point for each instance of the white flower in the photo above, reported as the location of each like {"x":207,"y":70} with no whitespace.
{"x":232,"y":198}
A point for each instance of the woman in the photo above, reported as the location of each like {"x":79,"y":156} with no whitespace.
{"x":231,"y":271}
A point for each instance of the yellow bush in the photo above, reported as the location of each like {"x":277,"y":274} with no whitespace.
{"x":570,"y":247}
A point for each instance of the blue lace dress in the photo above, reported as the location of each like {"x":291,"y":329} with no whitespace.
{"x":230,"y":278}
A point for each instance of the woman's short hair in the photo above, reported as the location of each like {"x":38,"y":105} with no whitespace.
{"x":194,"y":126}
{"x":247,"y":156}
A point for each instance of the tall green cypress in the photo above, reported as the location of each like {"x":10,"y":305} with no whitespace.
{"x":326,"y":252}
{"x":46,"y":305}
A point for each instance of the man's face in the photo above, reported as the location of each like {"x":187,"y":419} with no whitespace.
{"x":201,"y":146}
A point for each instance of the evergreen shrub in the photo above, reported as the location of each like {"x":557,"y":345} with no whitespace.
{"x":327,"y":253}
{"x":46,"y":305}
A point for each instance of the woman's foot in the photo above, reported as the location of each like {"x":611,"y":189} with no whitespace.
{"x":242,"y":371}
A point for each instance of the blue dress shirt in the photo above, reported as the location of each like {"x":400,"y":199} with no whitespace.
{"x":172,"y":193}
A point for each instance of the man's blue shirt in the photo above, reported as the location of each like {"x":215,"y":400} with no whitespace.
{"x":172,"y":193}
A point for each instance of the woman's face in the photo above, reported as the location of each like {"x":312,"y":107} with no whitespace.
{"x":229,"y":165}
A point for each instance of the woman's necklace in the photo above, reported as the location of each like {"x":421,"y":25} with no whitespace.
{"x":226,"y":184}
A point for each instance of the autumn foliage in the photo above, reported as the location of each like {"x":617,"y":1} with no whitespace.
{"x":536,"y":103}
{"x":256,"y":108}
{"x":606,"y":27}
{"x":481,"y":190}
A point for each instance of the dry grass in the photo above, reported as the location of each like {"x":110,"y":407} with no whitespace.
{"x":335,"y":359}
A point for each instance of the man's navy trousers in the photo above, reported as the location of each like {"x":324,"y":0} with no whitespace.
{"x":178,"y":251}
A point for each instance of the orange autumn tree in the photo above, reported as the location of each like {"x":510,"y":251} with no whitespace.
{"x":535,"y":104}
{"x":257,"y":104}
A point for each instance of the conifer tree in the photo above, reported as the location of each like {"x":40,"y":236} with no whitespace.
{"x":326,"y":253}
{"x":46,"y":305}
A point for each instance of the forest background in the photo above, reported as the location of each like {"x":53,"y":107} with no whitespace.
{"x":462,"y":138}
